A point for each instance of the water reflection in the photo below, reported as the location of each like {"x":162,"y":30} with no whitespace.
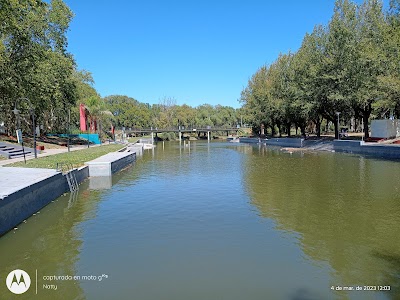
{"x":346,"y":210}
{"x":51,"y":242}
{"x":221,"y":221}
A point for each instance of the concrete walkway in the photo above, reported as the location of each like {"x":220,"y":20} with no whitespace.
{"x":10,"y":178}
{"x":44,"y":153}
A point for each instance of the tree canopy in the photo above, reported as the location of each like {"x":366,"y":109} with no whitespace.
{"x":351,"y":67}
{"x":35,"y":64}
{"x":130,"y":113}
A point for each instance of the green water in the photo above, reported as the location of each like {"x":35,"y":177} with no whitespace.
{"x":218,"y":221}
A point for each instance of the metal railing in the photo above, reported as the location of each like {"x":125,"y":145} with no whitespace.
{"x":67,"y":170}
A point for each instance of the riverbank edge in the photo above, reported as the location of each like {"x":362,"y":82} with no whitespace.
{"x":23,"y":203}
{"x":385,"y":151}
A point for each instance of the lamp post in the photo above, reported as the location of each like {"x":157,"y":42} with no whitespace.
{"x":19,"y":132}
{"x":338,"y":122}
{"x":68,"y":129}
{"x":32,"y":112}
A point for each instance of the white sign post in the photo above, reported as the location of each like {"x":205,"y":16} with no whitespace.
{"x":19,"y":136}
{"x":21,"y":141}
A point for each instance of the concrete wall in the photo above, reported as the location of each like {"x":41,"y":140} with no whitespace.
{"x":20,"y":205}
{"x":81,"y":173}
{"x":110,"y":163}
{"x":371,"y":149}
{"x":281,"y":142}
{"x":29,"y":199}
{"x":250,"y":140}
{"x":347,"y":146}
{"x":123,"y":162}
{"x":23,"y":203}
{"x":285,"y":142}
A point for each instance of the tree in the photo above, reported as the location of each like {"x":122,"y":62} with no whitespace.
{"x":307,"y":69}
{"x":33,"y":59}
{"x":338,"y":55}
{"x":368,"y":65}
{"x":257,"y":100}
{"x":389,"y":80}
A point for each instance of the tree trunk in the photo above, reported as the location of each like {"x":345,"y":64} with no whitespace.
{"x":303,"y":130}
{"x":272,"y":130}
{"x":365,"y":117}
{"x":366,"y":127}
{"x":279,"y":129}
{"x":318,"y":127}
{"x":288,"y":129}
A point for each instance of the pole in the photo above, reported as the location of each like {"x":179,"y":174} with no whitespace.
{"x":34,"y":132}
{"x":19,"y":125}
{"x":338,"y":122}
{"x":68,"y":129}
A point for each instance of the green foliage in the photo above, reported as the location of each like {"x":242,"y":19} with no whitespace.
{"x":351,"y":66}
{"x":131,"y":113}
{"x":34,"y":64}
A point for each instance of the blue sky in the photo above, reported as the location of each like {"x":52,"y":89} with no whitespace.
{"x":194,"y":51}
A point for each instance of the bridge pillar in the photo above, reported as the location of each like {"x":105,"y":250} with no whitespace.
{"x":208,"y":136}
{"x":180,"y":136}
{"x":152,"y":137}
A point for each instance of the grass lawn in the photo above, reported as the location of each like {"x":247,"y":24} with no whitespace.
{"x":76,"y":158}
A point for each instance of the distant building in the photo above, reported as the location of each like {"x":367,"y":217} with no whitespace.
{"x":385,"y":129}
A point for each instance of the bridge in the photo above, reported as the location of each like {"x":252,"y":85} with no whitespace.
{"x":181,"y":130}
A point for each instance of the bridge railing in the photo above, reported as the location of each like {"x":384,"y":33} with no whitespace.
{"x":183,"y":128}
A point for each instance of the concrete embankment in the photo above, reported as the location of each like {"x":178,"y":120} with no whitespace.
{"x":389,"y":151}
{"x":286,"y":142}
{"x":280,"y":142}
{"x":110,"y":163}
{"x":24,"y":191}
{"x":251,"y":140}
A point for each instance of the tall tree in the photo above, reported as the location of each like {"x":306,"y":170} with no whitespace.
{"x":33,"y":59}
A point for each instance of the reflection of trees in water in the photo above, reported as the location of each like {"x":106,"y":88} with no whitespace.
{"x":51,"y":243}
{"x":175,"y":160}
{"x":391,"y":272}
{"x":347,"y":209}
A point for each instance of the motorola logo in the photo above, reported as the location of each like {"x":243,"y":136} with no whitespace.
{"x":18,"y":281}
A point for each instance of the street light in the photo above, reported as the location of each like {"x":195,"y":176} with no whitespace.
{"x":68,"y":129}
{"x":19,"y":132}
{"x":32,"y":112}
{"x":338,"y":129}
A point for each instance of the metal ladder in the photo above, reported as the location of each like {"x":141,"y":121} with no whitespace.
{"x":68,"y":170}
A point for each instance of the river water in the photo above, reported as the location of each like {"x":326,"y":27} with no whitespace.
{"x":218,"y":221}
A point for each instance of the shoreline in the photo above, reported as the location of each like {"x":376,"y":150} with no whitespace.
{"x":378,"y":150}
{"x":22,"y":199}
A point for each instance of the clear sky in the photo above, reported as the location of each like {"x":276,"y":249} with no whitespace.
{"x":194,"y":51}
